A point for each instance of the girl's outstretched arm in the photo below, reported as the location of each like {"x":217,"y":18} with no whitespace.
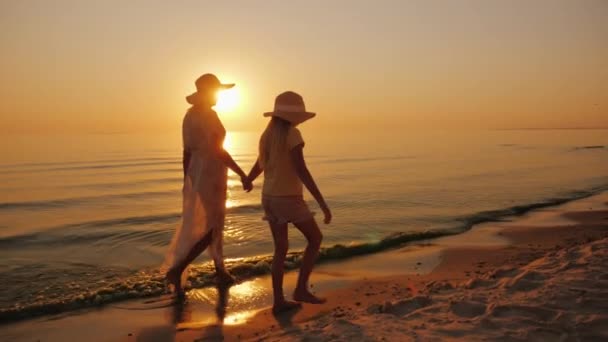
{"x":297,"y":158}
{"x":256,"y":170}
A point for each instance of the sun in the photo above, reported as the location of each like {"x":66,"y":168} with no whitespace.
{"x":227,"y":100}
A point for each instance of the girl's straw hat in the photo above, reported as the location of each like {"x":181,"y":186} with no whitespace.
{"x":290,"y":106}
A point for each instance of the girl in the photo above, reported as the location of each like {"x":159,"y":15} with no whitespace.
{"x":282,"y":161}
{"x":205,"y":165}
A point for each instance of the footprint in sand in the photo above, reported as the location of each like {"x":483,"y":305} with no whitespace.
{"x":523,"y":311}
{"x":408,"y":306}
{"x":526,"y":281}
{"x":476,"y":283}
{"x":467,"y":309}
{"x":594,"y":328}
{"x":505,"y":272}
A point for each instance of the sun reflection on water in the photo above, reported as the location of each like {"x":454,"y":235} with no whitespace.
{"x":245,"y":298}
{"x":249,"y":290}
{"x":239,"y":317}
{"x":230,"y":203}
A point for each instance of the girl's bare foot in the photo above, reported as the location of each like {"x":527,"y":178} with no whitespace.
{"x":307,"y":297}
{"x":284,"y":306}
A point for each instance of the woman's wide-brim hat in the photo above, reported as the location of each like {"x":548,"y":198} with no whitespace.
{"x":290,"y":106}
{"x":208,"y":83}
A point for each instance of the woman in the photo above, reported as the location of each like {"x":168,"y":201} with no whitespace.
{"x":205,"y":165}
{"x":281,"y":159}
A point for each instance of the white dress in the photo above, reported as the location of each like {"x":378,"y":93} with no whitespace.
{"x":204,"y":190}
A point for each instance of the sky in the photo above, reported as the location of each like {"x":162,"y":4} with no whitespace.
{"x":126,"y":66}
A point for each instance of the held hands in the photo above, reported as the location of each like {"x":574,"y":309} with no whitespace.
{"x":247,"y":183}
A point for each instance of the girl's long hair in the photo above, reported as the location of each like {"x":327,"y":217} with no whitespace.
{"x":274,"y":139}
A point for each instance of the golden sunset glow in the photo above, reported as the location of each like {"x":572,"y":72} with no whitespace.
{"x":230,"y":203}
{"x":228,"y":100}
{"x":229,"y":147}
{"x":275,"y":170}
{"x":417,"y":65}
{"x":228,"y":142}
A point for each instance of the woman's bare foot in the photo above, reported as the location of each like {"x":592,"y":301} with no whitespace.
{"x":284,"y":306}
{"x":174,"y":279}
{"x":224,"y":278}
{"x":307,"y":297}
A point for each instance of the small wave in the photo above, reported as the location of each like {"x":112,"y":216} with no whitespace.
{"x":84,"y":162}
{"x":366,"y":159}
{"x":90,"y":167}
{"x":150,"y":282}
{"x":77,"y":233}
{"x":518,"y":210}
{"x":176,"y":170}
{"x":156,"y":181}
{"x":63,"y":202}
{"x":590,"y":147}
{"x":83,"y":232}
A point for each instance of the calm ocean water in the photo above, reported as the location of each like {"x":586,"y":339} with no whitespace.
{"x":85,"y":220}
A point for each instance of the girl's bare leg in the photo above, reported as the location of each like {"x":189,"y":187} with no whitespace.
{"x":313,"y":235}
{"x":281,"y":244}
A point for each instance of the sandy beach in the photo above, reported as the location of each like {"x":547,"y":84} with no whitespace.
{"x":541,"y":276}
{"x":548,"y":284}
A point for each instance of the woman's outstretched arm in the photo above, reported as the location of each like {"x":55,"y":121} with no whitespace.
{"x":232,"y":165}
{"x":297,"y":158}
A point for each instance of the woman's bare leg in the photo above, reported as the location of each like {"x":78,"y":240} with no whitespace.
{"x":174,"y":274}
{"x":198,"y":248}
{"x":281,"y":244}
{"x":217,"y":252}
{"x":216,"y":218}
{"x":313,"y":235}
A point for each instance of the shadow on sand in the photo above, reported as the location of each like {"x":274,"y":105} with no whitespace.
{"x":181,"y":313}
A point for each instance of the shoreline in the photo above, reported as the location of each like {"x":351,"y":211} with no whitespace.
{"x":398,"y":273}
{"x":148,"y":283}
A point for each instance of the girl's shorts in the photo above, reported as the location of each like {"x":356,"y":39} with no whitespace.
{"x":285,"y":209}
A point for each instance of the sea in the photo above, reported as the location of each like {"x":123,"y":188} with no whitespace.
{"x":85,"y":220}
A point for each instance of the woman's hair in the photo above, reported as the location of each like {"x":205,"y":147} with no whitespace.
{"x":274,"y":139}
